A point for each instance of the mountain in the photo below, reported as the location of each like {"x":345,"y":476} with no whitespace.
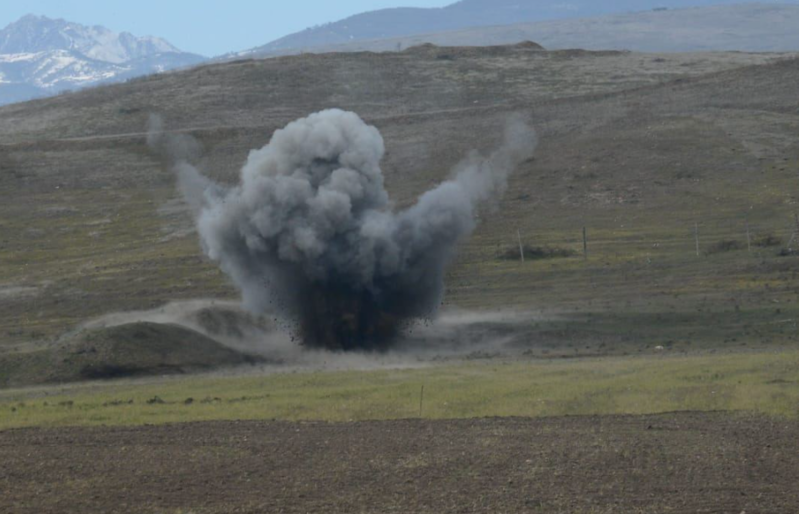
{"x":40,"y":56}
{"x":390,"y":23}
{"x":743,"y":27}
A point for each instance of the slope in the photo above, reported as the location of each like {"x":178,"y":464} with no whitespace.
{"x":646,"y":151}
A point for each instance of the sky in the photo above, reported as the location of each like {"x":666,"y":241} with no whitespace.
{"x":206,"y":27}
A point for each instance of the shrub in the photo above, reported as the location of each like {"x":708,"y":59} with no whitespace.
{"x":767,"y":240}
{"x":534,"y":253}
{"x":725,"y":245}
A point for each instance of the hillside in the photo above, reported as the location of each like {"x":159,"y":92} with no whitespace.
{"x":404,"y":22}
{"x":743,"y":27}
{"x":649,"y":152}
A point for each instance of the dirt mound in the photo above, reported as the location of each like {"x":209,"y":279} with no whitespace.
{"x":149,"y":349}
{"x":450,"y":52}
{"x":529,"y":45}
{"x":130,"y":350}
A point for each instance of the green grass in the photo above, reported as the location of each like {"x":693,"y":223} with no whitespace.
{"x":106,"y":252}
{"x":763,"y":382}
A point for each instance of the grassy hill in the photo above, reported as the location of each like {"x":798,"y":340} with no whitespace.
{"x":646,"y":151}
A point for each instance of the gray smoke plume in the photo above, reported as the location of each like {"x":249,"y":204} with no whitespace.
{"x":309,"y":232}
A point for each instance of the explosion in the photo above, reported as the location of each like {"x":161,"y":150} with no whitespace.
{"x":310,"y":233}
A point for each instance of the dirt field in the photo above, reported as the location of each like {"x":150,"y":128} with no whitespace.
{"x":677,"y":463}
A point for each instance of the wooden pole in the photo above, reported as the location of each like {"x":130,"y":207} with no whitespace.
{"x":521,"y":247}
{"x":748,"y":238}
{"x":696,"y":237}
{"x":795,"y":231}
{"x":421,"y":401}
{"x":585,"y":244}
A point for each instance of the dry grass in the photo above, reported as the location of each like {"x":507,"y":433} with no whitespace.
{"x":90,"y":225}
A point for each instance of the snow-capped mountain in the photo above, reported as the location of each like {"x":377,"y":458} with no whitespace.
{"x":40,"y":56}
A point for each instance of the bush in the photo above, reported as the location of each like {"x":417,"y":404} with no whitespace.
{"x":726,"y":245}
{"x":767,"y":240}
{"x":534,"y":253}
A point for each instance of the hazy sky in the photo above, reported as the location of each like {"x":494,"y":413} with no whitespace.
{"x":208,"y":27}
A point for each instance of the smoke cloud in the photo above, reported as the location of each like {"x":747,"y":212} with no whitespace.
{"x":310,"y":232}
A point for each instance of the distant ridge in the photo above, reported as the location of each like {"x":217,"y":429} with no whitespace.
{"x":466,"y":14}
{"x":752,"y":27}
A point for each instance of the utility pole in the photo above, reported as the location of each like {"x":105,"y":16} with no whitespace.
{"x":585,"y":243}
{"x":696,"y":237}
{"x":521,"y":247}
{"x":795,"y":232}
{"x":748,"y":238}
